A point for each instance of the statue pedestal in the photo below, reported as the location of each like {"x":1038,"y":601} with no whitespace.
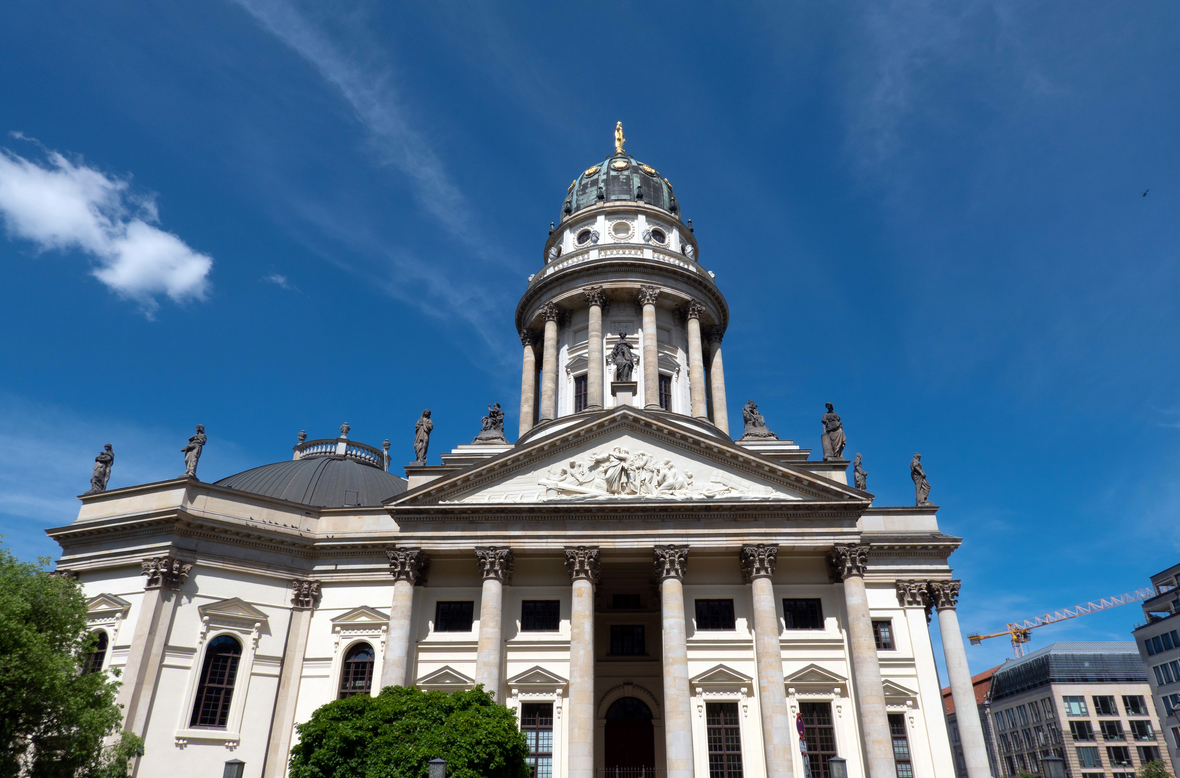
{"x":624,"y":392}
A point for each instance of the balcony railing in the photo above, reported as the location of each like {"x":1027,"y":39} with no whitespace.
{"x":631,"y":772}
{"x":345,"y":449}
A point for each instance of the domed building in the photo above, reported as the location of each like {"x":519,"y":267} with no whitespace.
{"x":651,"y":592}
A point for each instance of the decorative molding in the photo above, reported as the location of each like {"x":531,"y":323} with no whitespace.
{"x":671,"y":562}
{"x":304,"y":592}
{"x":550,"y":311}
{"x":693,"y":310}
{"x":913,"y":594}
{"x":944,"y":594}
{"x":758,"y":561}
{"x":408,"y":564}
{"x":495,"y":562}
{"x":445,"y":679}
{"x":595,"y":296}
{"x":628,"y":689}
{"x":529,"y":338}
{"x":582,"y":563}
{"x":165,"y":572}
{"x":847,"y":561}
{"x":648,"y":295}
{"x":714,"y":334}
{"x":107,"y":611}
{"x":722,"y":683}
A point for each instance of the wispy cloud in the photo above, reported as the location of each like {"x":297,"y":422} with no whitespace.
{"x":66,"y":205}
{"x":280,"y":281}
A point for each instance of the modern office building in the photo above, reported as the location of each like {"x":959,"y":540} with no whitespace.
{"x":1159,"y":645}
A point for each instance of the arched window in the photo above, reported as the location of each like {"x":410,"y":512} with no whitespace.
{"x":216,"y":688}
{"x":94,"y":660}
{"x":356,"y":676}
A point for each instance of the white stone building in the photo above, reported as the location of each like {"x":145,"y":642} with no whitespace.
{"x":649,"y":594}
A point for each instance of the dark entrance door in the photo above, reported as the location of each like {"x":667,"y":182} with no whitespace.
{"x":630,"y":743}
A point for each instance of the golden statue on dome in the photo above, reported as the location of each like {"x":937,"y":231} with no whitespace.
{"x":619,"y":139}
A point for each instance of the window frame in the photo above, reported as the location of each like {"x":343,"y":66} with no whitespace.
{"x":619,"y":639}
{"x":897,"y":732}
{"x":1066,"y":701}
{"x":705,"y":624}
{"x":813,"y":613}
{"x":96,"y":661}
{"x":539,"y":726}
{"x":1137,"y":705}
{"x":438,"y":616}
{"x":887,"y":644}
{"x":348,"y":668}
{"x":813,"y":729}
{"x":581,"y":392}
{"x":725,"y":729}
{"x":1099,"y":707}
{"x":225,"y":701}
{"x":664,"y":391}
{"x":1089,"y":749}
{"x":1085,"y":725}
{"x":556,"y":606}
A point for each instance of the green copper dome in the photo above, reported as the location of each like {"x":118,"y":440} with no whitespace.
{"x":620,"y":178}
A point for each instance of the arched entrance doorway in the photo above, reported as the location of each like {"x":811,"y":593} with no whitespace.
{"x":629,"y":739}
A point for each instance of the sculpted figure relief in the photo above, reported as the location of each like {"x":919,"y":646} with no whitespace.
{"x":102,"y":469}
{"x":192,"y":452}
{"x":921,"y":485}
{"x":859,"y":474}
{"x":833,"y":438}
{"x":422,"y":432}
{"x":623,"y":358}
{"x":755,"y":424}
{"x":492,"y":430}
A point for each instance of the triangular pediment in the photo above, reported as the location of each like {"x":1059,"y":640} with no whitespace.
{"x":234,"y":608}
{"x":894,"y":689}
{"x":814,"y":674}
{"x":721,"y":675}
{"x":622,"y":456}
{"x":537,"y":676}
{"x":445,"y":677}
{"x":362,"y":615}
{"x":104,"y":603}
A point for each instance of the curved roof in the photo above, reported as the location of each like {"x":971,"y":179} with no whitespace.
{"x":323,"y":482}
{"x":619,"y":178}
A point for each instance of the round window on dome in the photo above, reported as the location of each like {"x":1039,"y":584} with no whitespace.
{"x":583,"y":237}
{"x":659,"y":236}
{"x":621,"y":230}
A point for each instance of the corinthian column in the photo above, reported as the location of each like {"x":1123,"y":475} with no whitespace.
{"x":717,"y":379}
{"x":304,"y":594}
{"x":495,"y":564}
{"x":671,"y":562}
{"x":550,"y":313}
{"x":848,"y":563}
{"x":407,"y":566}
{"x":758,"y":569}
{"x":596,"y":299}
{"x":696,"y":361}
{"x":945,"y":595}
{"x":582,"y":563}
{"x":651,"y":352}
{"x":528,"y":381}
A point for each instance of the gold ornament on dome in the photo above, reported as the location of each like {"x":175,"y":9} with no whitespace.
{"x":591,"y":171}
{"x":619,"y":164}
{"x":619,"y":139}
{"x":648,"y":169}
{"x":572,"y":183}
{"x":669,"y":183}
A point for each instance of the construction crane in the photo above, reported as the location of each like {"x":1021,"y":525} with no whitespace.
{"x":1019,"y":630}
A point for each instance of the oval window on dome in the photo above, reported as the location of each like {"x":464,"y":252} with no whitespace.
{"x":591,"y":171}
{"x":583,"y":237}
{"x":621,"y":230}
{"x":648,"y":169}
{"x":619,"y":164}
{"x":659,"y":236}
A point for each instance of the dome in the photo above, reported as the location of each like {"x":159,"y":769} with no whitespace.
{"x":322,"y":478}
{"x":619,"y":178}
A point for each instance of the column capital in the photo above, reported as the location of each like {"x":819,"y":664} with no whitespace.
{"x":165,"y":572}
{"x":595,"y":296}
{"x":648,"y":295}
{"x":551,"y":311}
{"x":758,"y":561}
{"x":913,"y":594}
{"x":693,"y":310}
{"x":528,"y":338}
{"x":408,"y":564}
{"x":845,"y":562}
{"x":671,"y":562}
{"x":582,"y":563}
{"x":304,"y":592}
{"x":944,"y":594}
{"x":495,"y":562}
{"x":713,"y":334}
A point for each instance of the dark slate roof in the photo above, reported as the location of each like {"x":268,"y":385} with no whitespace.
{"x":621,"y":177}
{"x":325,"y":482}
{"x":1099,"y":662}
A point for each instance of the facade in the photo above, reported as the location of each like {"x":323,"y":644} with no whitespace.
{"x":650,"y":594}
{"x":1158,"y":641}
{"x":981,"y":684}
{"x":1087,"y":703}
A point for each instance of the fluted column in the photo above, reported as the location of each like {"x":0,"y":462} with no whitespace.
{"x":596,"y":299}
{"x":550,"y":313}
{"x":717,"y":379}
{"x":671,"y":562}
{"x":495,"y":565}
{"x":848,"y":563}
{"x":757,"y":562}
{"x":651,"y":351}
{"x":528,"y":381}
{"x":408,"y":567}
{"x":305,"y":592}
{"x":582,"y":563}
{"x":696,"y":361}
{"x":945,"y":595}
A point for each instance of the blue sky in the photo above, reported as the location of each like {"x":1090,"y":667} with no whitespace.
{"x":266,"y":217}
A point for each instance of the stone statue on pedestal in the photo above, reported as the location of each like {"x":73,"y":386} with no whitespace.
{"x":859,"y":475}
{"x":921,"y":485}
{"x":422,"y":432}
{"x":493,"y":426}
{"x":192,"y":452}
{"x":833,"y":438}
{"x":102,"y":469}
{"x":344,"y":428}
{"x":755,"y":424}
{"x":623,"y":358}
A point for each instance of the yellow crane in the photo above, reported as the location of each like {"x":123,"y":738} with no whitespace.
{"x":1019,"y":630}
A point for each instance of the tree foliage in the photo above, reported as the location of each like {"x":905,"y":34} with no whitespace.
{"x":1154,"y":769}
{"x":398,"y":732}
{"x":53,"y":717}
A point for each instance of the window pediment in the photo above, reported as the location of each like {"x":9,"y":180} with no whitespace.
{"x":446,"y":679}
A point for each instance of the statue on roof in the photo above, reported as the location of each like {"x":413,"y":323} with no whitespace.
{"x":833,"y":439}
{"x":619,"y":139}
{"x":623,"y":358}
{"x":422,"y":432}
{"x":192,"y":452}
{"x":493,"y":426}
{"x":921,"y":485}
{"x":344,"y":428}
{"x":858,"y":473}
{"x":755,"y":424}
{"x":102,"y":469}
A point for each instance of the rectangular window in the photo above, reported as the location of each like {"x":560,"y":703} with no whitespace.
{"x":1040,"y":732}
{"x":1156,"y":645}
{"x":1176,"y":736}
{"x":453,"y":616}
{"x":820,"y":736}
{"x":803,"y":614}
{"x":627,"y":640}
{"x":1122,"y":775}
{"x":1054,"y":737}
{"x":536,"y":722}
{"x":1047,"y":706}
{"x":540,"y":615}
{"x":1118,"y":756}
{"x":1028,"y":738}
{"x":1011,"y":765}
{"x":1034,"y":710}
{"x":883,"y":635}
{"x":1148,"y":754}
{"x":901,"y":746}
{"x":1081,"y":730}
{"x":1159,"y":676}
{"x":1088,"y":756}
{"x":1021,"y":714}
{"x":1075,"y":706}
{"x":1171,"y":703}
{"x":1112,"y":730}
{"x":1021,"y":763}
{"x":723,"y":732}
{"x":625,"y":602}
{"x":1149,"y":644}
{"x":666,"y":392}
{"x":999,"y":721}
{"x":1167,"y":640}
{"x":715,"y":614}
{"x":1104,"y":705}
{"x":579,"y":393}
{"x":1011,"y":718}
{"x":1135,"y":705}
{"x":1005,"y":743}
{"x":1141,"y":730}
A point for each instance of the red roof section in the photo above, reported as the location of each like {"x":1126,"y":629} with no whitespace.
{"x":981,"y":683}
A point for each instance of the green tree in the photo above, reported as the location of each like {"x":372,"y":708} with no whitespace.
{"x":398,"y":732}
{"x":1154,"y":769}
{"x":54,"y":718}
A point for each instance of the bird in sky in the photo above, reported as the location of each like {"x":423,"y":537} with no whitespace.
{"x":1145,"y":191}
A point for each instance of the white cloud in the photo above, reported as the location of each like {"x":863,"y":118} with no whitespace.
{"x":279,"y":280}
{"x":66,"y":206}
